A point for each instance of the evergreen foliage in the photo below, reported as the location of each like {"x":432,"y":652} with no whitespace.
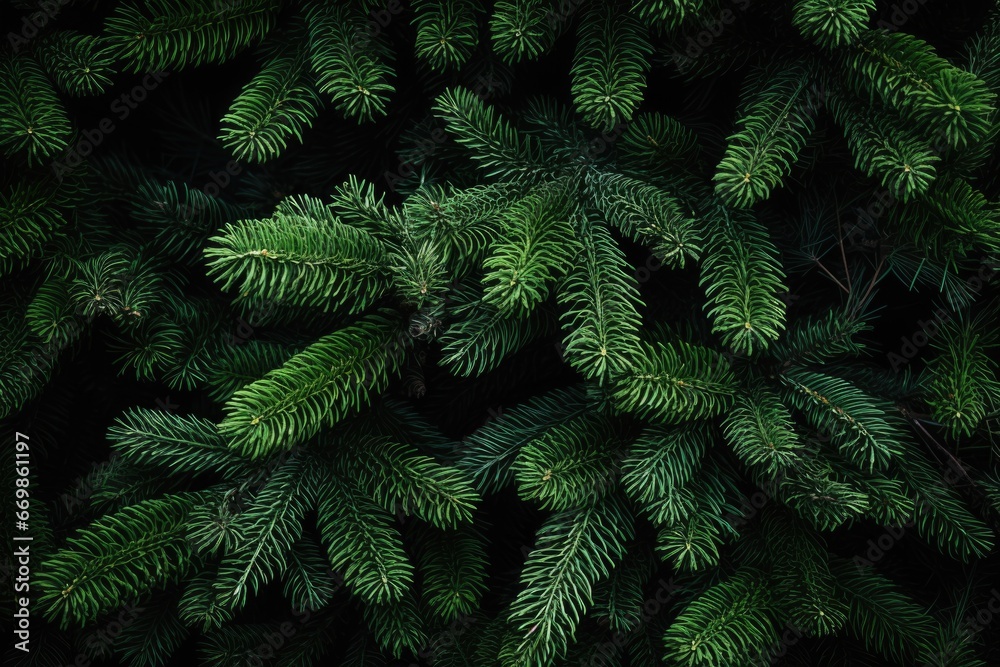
{"x":522,"y":333}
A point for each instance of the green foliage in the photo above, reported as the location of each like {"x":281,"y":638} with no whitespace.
{"x":28,"y":218}
{"x":32,"y":120}
{"x":399,"y":477}
{"x":522,"y":29}
{"x":675,"y":382}
{"x":316,"y":387}
{"x":348,"y":63}
{"x":278,"y":104}
{"x":880,"y":615}
{"x":479,"y":341}
{"x":723,"y":625}
{"x":362,"y":542}
{"x":962,"y":377}
{"x":609,"y":67}
{"x":155,"y":633}
{"x":857,"y":423}
{"x":403,"y":313}
{"x":761,"y":433}
{"x":775,"y":121}
{"x":79,"y":64}
{"x":268,"y":529}
{"x":118,"y":557}
{"x":649,"y":216}
{"x":171,"y":34}
{"x":573,"y":550}
{"x":832,"y":23}
{"x":300,"y":260}
{"x":743,"y":279}
{"x":494,"y":143}
{"x":946,"y":102}
{"x":522,"y":262}
{"x":153,"y":437}
{"x":447,"y":32}
{"x":489,"y":452}
{"x":181,"y":218}
{"x":570,"y":465}
{"x":453,"y":566}
{"x":600,"y":320}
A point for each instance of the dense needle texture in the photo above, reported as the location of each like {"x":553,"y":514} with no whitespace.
{"x":501,"y":334}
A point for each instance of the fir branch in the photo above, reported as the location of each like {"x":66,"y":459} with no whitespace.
{"x":599,"y":296}
{"x":492,"y":140}
{"x":674,"y":382}
{"x":300,"y":260}
{"x":117,"y":557}
{"x":609,"y":64}
{"x":574,"y":549}
{"x":32,"y":119}
{"x":171,"y":34}
{"x":317,"y":387}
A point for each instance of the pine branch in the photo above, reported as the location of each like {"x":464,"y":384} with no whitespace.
{"x":348,"y":63}
{"x":962,"y":378}
{"x":274,"y":107}
{"x":573,"y":551}
{"x":489,"y":453}
{"x":491,"y":140}
{"x":776,"y":118}
{"x":361,"y":542}
{"x":531,"y":252}
{"x":647,"y":215}
{"x":171,"y":34}
{"x":885,"y":619}
{"x":609,"y":65}
{"x":300,"y":260}
{"x":482,"y":337}
{"x":856,"y":422}
{"x":269,"y":528}
{"x":676,"y":382}
{"x":452,"y":565}
{"x":599,"y":297}
{"x":398,"y":476}
{"x":317,"y":387}
{"x":447,"y":32}
{"x":117,"y":557}
{"x":522,"y":29}
{"x":832,"y":23}
{"x":743,"y":278}
{"x":570,"y":465}
{"x":32,"y":120}
{"x":78,"y":64}
{"x":659,"y":465}
{"x":723,"y":625}
{"x":190,"y":444}
{"x":760,"y":431}
{"x":154,"y":634}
